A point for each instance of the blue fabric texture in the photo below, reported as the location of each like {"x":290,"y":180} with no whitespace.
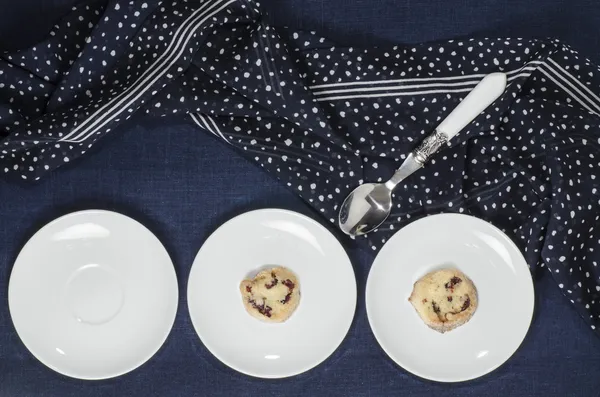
{"x":182,"y":183}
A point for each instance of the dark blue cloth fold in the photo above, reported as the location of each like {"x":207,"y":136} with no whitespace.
{"x":323,"y":118}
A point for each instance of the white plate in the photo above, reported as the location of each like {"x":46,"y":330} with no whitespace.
{"x":93,"y":294}
{"x":239,"y":249}
{"x":499,"y":272}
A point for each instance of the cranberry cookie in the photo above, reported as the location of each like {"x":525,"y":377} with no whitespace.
{"x":272,"y":295}
{"x":444,"y":299}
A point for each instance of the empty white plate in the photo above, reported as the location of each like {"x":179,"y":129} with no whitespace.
{"x":239,"y":249}
{"x":93,"y":294}
{"x":496,"y":267}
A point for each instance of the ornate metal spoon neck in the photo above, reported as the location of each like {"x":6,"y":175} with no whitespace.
{"x":430,"y":146}
{"x":418,"y":157}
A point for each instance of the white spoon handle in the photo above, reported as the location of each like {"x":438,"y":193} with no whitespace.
{"x":482,"y":96}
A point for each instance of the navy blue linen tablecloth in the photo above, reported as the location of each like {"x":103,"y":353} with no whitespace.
{"x":174,"y":184}
{"x":183,"y":185}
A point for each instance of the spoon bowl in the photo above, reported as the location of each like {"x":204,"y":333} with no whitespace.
{"x":367,"y":207}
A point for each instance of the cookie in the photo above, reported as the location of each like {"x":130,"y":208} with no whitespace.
{"x":272,"y":296}
{"x":444,"y":299}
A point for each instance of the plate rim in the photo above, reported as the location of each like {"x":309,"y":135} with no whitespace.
{"x":113,"y":374}
{"x":530,"y":285}
{"x":304,"y":369}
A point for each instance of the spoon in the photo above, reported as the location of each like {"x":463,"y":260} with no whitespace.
{"x":370,"y":204}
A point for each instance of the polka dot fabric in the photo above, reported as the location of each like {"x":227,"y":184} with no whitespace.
{"x":323,"y":118}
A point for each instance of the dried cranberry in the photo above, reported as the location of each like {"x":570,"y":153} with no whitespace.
{"x":424,"y":301}
{"x":288,"y":283}
{"x":449,"y":299}
{"x":466,"y":305}
{"x":268,"y":311}
{"x":273,"y":283}
{"x":262,"y":309}
{"x":453,"y":281}
{"x":248,"y":288}
{"x":287,"y":298}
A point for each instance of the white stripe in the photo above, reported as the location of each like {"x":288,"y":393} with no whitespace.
{"x":202,"y":125}
{"x":394,"y":87}
{"x":82,"y":136}
{"x":564,"y":88}
{"x":565,"y":72}
{"x":160,"y":73}
{"x":406,"y":87}
{"x":195,"y":119}
{"x":406,"y":93}
{"x":397,"y":81}
{"x":441,"y":91}
{"x":216,"y":127}
{"x":185,"y":25}
{"x":422,"y":79}
{"x":335,"y":98}
{"x":207,"y":125}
